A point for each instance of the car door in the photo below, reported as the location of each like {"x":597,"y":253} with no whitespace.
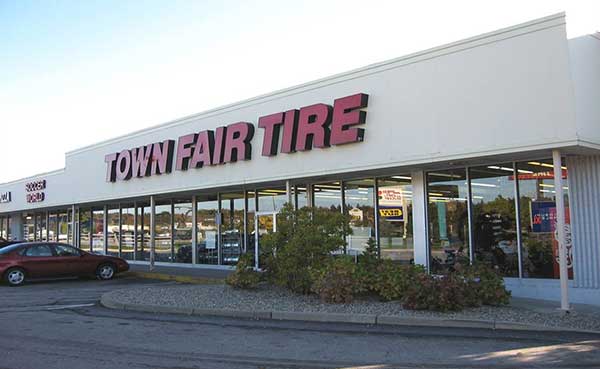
{"x":69,"y":258}
{"x":40,"y":262}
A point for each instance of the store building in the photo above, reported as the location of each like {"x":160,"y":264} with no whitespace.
{"x":443,"y":154}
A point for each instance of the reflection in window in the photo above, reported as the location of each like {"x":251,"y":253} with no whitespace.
{"x":42,"y":230}
{"x":300,"y":196}
{"x":52,"y":227}
{"x":395,"y":218}
{"x":29,"y":227}
{"x":250,"y":231}
{"x":272,"y":199}
{"x":232,"y":230}
{"x":538,"y":219}
{"x":112,"y":229}
{"x":162,"y":232}
{"x":359,"y":196}
{"x":127,"y":232}
{"x":64,"y":227}
{"x":207,"y":249}
{"x":98,"y":231}
{"x":494,"y":219}
{"x":84,"y":229}
{"x":182,"y":224}
{"x":448,"y":218}
{"x":143,"y":232}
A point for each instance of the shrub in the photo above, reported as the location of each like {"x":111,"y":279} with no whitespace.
{"x":244,"y":276}
{"x":441,"y":293}
{"x":337,"y":281}
{"x":487,"y":286}
{"x":304,"y":242}
{"x":392,"y":280}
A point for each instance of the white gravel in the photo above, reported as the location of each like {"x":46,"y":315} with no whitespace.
{"x":270,"y":298}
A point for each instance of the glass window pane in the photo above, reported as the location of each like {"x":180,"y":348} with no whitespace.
{"x":538,"y":219}
{"x":98,"y":231}
{"x":112,"y":229}
{"x":162,"y":243}
{"x":360,"y":207}
{"x":448,"y":218}
{"x":42,"y":230}
{"x":301,"y":196}
{"x":52,"y":225}
{"x":250,"y":228}
{"x":63,"y":227}
{"x":494,"y":219}
{"x":395,"y":218}
{"x":29,"y":227}
{"x":143,"y":231}
{"x":272,"y":199}
{"x":232,"y":230}
{"x":207,"y":251}
{"x":127,"y":232}
{"x":183,"y":231}
{"x":84,"y":229}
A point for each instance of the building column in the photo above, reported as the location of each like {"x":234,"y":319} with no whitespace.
{"x":560,"y":230}
{"x":419,"y":214}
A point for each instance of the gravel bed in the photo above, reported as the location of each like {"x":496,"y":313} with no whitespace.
{"x":272,"y":298}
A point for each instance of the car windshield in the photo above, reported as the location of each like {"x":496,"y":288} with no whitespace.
{"x":10,"y":248}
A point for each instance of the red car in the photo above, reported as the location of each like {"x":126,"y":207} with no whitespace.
{"x":43,"y":260}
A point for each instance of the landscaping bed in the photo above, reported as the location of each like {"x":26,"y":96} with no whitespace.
{"x":272,"y":298}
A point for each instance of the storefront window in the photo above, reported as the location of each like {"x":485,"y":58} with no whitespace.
{"x":63,"y":227}
{"x":300,"y":196}
{"x":112,"y":229}
{"x":272,"y":199}
{"x":29,"y":227}
{"x":538,"y":219}
{"x":494,"y":217}
{"x":448,"y":218}
{"x":232,"y":230}
{"x":85,"y":226}
{"x":98,"y":231}
{"x":182,"y":224}
{"x":162,"y":232}
{"x":360,"y":208}
{"x":143,"y":231}
{"x":395,"y":218}
{"x":52,"y":227}
{"x":42,"y":230}
{"x":127,"y":232}
{"x":207,"y":249}
{"x":250,"y":227}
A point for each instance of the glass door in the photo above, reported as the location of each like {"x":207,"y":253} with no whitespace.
{"x":265,"y":222}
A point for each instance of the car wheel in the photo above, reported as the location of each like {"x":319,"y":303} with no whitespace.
{"x":15,"y":277}
{"x":105,"y":272}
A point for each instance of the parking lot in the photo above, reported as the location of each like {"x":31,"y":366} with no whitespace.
{"x":60,"y":325}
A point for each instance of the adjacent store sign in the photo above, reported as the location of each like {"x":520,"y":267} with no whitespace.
{"x":391,"y":203}
{"x":5,"y":197}
{"x":35,"y":191}
{"x":318,"y":125}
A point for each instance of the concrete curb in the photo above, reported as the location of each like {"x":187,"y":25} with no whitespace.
{"x":366,"y":319}
{"x":175,"y":278}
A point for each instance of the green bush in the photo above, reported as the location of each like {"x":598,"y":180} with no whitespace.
{"x":303,"y":244}
{"x":393,"y":280}
{"x":337,"y":281}
{"x":244,"y":276}
{"x":486,"y":285}
{"x":440,"y":293}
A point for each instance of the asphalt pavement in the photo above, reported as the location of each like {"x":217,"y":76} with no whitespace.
{"x":61,"y":325}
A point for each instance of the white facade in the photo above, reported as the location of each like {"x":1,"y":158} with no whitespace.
{"x":509,"y":95}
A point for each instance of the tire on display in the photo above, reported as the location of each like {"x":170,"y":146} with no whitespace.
{"x":105,"y":272}
{"x":14,"y":277}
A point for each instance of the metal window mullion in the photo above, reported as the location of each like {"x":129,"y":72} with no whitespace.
{"x":105,"y":229}
{"x":152,"y":231}
{"x":47,"y":226}
{"x":120,"y":245}
{"x":343,"y":210}
{"x":172,"y":231}
{"x":245,"y":237}
{"x":376,"y":209}
{"x":219,"y":230}
{"x":425,"y":189}
{"x":135,"y":230}
{"x":194,"y":229}
{"x":470,"y":216}
{"x":518,"y":218}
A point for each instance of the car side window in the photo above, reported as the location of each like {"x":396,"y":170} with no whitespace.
{"x":38,"y":251}
{"x":62,"y":250}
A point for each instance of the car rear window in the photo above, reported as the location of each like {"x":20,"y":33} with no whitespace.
{"x":9,"y":248}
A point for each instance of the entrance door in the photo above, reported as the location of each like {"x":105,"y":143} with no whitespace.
{"x":264,"y":222}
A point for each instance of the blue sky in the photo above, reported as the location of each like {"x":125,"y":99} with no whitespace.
{"x":73,"y":73}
